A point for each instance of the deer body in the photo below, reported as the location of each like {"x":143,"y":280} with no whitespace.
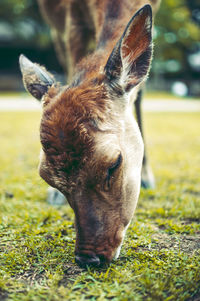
{"x":92,"y":146}
{"x":79,"y":26}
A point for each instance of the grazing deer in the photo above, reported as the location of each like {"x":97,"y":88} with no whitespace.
{"x":92,"y":148}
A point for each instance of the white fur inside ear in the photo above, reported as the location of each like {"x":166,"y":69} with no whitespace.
{"x":126,"y":66}
{"x":148,"y":23}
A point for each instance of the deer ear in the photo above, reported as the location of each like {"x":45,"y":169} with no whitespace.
{"x":35,"y":78}
{"x":130,"y":59}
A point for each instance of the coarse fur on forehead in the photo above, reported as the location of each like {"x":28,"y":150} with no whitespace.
{"x":70,"y":120}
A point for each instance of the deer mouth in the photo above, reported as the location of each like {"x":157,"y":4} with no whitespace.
{"x":84,"y":260}
{"x":88,"y":258}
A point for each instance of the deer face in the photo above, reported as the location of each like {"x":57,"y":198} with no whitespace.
{"x":93,"y":156}
{"x":92,"y":149}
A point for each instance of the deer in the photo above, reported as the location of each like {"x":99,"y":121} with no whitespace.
{"x":92,"y":146}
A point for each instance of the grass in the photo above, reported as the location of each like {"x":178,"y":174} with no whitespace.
{"x":8,"y":94}
{"x":164,"y":95}
{"x":160,"y":259}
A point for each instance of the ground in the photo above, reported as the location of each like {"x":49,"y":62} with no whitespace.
{"x":160,"y":258}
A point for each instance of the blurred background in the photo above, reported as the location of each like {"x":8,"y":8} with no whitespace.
{"x":176,"y":64}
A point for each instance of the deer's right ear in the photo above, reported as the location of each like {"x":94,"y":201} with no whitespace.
{"x":35,"y":78}
{"x":129,"y":62}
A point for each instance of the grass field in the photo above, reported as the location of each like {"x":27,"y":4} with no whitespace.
{"x":160,"y":259}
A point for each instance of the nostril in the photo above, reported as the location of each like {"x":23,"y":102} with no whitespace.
{"x":86,"y":260}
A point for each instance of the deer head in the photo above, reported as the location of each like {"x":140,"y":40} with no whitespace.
{"x":92,"y":149}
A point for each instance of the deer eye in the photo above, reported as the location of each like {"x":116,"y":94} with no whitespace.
{"x":111,"y":170}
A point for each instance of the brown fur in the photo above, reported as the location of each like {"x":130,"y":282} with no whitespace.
{"x":68,"y":134}
{"x":68,"y":144}
{"x":92,"y":147}
{"x":75,"y":33}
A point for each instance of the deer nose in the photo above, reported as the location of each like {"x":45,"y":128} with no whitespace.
{"x":87,"y":260}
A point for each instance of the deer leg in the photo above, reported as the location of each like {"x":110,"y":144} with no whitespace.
{"x":55,"y":197}
{"x":54,"y":12}
{"x":79,"y":34}
{"x":147,"y":180}
{"x":72,"y":30}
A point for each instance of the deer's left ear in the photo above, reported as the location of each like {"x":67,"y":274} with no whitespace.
{"x":130,"y":59}
{"x":36,"y":79}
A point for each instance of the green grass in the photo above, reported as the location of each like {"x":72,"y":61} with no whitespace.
{"x":160,"y":259}
{"x":8,"y":94}
{"x":163,"y":95}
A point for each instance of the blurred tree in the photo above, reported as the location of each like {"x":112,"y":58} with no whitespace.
{"x":22,"y":30}
{"x":176,"y":38}
{"x":194,"y":7}
{"x":176,"y":35}
{"x":20,"y":23}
